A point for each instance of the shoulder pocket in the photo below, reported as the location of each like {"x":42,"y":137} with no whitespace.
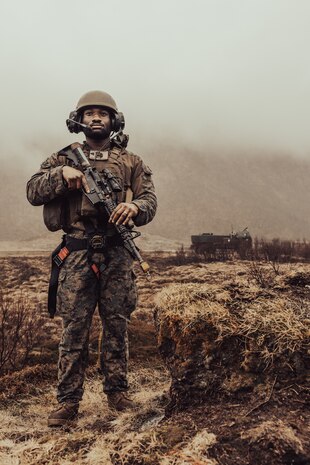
{"x":147,"y":170}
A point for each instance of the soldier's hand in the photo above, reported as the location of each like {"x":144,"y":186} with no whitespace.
{"x":123,"y":213}
{"x":74,"y":178}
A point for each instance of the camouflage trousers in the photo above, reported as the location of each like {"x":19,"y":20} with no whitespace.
{"x":79,"y":292}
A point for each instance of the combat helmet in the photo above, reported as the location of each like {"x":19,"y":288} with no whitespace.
{"x":96,"y":98}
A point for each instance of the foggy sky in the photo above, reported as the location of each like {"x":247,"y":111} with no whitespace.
{"x":221,"y":73}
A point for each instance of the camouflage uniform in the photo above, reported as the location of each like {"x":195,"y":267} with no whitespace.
{"x":79,"y":290}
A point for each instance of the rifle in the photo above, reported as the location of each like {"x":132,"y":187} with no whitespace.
{"x":101,"y":190}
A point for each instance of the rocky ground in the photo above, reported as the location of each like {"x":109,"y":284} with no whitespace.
{"x":270,"y":426}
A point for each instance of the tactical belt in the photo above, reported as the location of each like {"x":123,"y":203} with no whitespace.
{"x":95,"y":242}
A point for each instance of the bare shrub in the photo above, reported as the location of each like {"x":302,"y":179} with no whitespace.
{"x":266,"y":259}
{"x":258,"y":273}
{"x":277,"y":251}
{"x":21,"y":330}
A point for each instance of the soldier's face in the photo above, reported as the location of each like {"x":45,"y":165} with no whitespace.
{"x":98,"y":122}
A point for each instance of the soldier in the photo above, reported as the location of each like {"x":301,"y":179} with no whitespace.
{"x":95,"y":245}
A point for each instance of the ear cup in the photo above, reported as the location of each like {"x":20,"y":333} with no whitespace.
{"x":117,"y":122}
{"x":73,"y":127}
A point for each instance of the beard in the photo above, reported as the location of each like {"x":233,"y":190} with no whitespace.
{"x":96,"y":134}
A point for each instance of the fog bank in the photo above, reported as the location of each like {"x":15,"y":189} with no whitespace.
{"x":198,"y":191}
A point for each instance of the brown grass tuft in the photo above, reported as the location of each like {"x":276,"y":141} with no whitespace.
{"x":277,"y":435}
{"x":272,"y":326}
{"x":224,"y":338}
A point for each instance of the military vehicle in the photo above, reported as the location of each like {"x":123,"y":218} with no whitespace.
{"x":221,"y":247}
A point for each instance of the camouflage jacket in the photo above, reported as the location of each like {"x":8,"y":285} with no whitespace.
{"x":65,"y":209}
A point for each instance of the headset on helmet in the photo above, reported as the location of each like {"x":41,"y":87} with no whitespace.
{"x":91,"y":99}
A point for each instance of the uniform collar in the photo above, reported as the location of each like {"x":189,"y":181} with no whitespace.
{"x":105,"y":147}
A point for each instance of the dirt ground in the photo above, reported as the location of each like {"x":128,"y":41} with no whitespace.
{"x":267,"y":426}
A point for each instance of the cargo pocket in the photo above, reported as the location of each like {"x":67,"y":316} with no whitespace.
{"x":147,"y":172}
{"x":52,"y":214}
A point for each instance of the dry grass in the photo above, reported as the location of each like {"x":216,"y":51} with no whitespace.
{"x":273,"y":326}
{"x":276,"y":432}
{"x":195,"y":452}
{"x":100,"y":437}
{"x":278,"y":326}
{"x":220,"y":295}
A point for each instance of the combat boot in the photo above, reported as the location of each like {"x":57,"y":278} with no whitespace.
{"x":63,"y":414}
{"x":119,"y":401}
